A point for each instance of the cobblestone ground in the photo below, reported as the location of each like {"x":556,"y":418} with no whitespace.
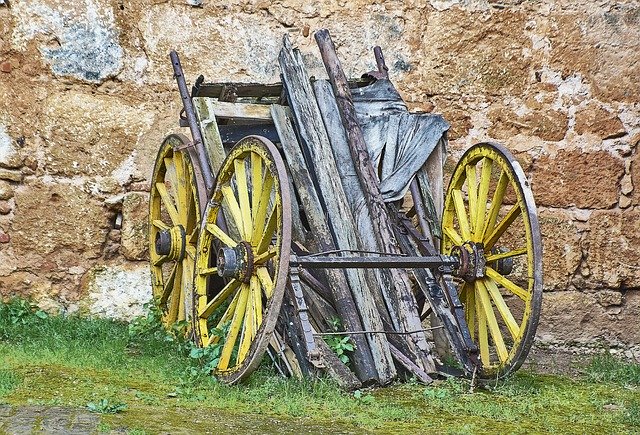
{"x":46,"y":420}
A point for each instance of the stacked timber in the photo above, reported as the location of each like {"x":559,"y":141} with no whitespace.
{"x":339,"y":192}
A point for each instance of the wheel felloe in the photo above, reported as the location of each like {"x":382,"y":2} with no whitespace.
{"x":174,"y":221}
{"x":243,"y":257}
{"x":490,"y":223}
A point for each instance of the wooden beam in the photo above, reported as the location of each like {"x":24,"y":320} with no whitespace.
{"x":403,"y":299}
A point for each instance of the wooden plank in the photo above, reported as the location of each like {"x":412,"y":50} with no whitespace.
{"x":205,"y":112}
{"x":370,"y":363}
{"x":403,"y":298}
{"x":248,"y":111}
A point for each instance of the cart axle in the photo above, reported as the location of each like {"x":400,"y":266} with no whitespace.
{"x":385,"y":262}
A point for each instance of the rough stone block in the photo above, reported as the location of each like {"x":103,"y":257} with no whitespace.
{"x":547,"y":124}
{"x":135,"y":215}
{"x":562,"y":253}
{"x":606,"y":55}
{"x":613,"y":256}
{"x":576,"y":178}
{"x":118,"y":292}
{"x":11,"y":175}
{"x":92,"y":135}
{"x":576,"y":317}
{"x":596,"y":120}
{"x":51,"y":217}
{"x":6,"y":191}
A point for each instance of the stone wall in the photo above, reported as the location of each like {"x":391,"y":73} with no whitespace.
{"x":86,"y":96}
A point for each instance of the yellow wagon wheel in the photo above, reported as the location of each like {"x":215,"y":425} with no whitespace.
{"x":490,"y":221}
{"x":177,"y":192}
{"x":243,"y":258}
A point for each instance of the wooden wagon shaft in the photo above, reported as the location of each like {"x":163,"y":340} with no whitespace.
{"x":314,"y":136}
{"x":404,"y":300}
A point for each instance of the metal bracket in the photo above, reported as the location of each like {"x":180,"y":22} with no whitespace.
{"x":300,"y":306}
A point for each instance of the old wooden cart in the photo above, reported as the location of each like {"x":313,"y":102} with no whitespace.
{"x":314,"y":210}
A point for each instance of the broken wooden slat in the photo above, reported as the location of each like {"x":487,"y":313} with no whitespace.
{"x":253,"y":112}
{"x":403,"y":299}
{"x":364,"y":362}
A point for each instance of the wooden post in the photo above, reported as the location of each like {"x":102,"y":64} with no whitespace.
{"x":364,"y":363}
{"x":404,"y":300}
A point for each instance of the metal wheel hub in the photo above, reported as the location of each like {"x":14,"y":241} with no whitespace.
{"x":172,"y":243}
{"x":472,"y":261}
{"x":236,"y":262}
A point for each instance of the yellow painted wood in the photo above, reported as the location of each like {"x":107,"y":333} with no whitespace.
{"x":159,"y":260}
{"x":467,"y":294}
{"x":268,"y":233}
{"x":256,"y":183}
{"x":217,"y":232}
{"x":168,"y":203}
{"x":483,"y":337}
{"x":234,"y":329}
{"x":492,"y":322}
{"x":511,"y":286}
{"x":248,"y":328}
{"x":453,"y":235}
{"x":263,"y":208}
{"x":472,"y":195}
{"x":502,"y":307}
{"x":176,"y":272}
{"x":233,"y":208}
{"x":496,"y":203}
{"x":502,"y":227}
{"x":218,"y":299}
{"x":160,"y":225}
{"x":514,"y":253}
{"x":461,"y":213}
{"x":174,"y":303}
{"x":483,"y":192}
{"x":269,"y":253}
{"x":208,"y":271}
{"x":226,"y":317}
{"x":257,"y":303}
{"x":243,"y":197}
{"x":265,"y":280}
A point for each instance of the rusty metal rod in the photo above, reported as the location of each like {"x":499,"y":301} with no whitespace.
{"x":374,"y":262}
{"x":193,"y":123}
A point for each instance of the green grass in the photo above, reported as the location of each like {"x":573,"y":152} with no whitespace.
{"x":153,"y":382}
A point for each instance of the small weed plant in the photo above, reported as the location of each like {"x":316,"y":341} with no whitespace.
{"x":105,"y":406}
{"x":340,"y":344}
{"x":607,"y":368}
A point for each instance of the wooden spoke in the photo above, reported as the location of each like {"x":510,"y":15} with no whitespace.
{"x":492,"y":322}
{"x":266,"y":255}
{"x":453,"y":235}
{"x":256,"y":183}
{"x":502,"y":307}
{"x":257,"y":301}
{"x":268,"y":233}
{"x":226,"y":317}
{"x":472,"y":195}
{"x":496,"y":203}
{"x":219,"y":299}
{"x":208,"y":271}
{"x":508,"y":254}
{"x":504,"y":282}
{"x":502,"y":227}
{"x":233,"y":208}
{"x":176,"y":272}
{"x":236,"y":324}
{"x":483,"y":337}
{"x":160,"y":225}
{"x":485,"y":179}
{"x":243,"y":197}
{"x":467,"y":295}
{"x":461,"y":213}
{"x":261,"y":211}
{"x":168,"y":204}
{"x":248,"y":327}
{"x":265,"y":281}
{"x":217,"y":232}
{"x":160,"y":260}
